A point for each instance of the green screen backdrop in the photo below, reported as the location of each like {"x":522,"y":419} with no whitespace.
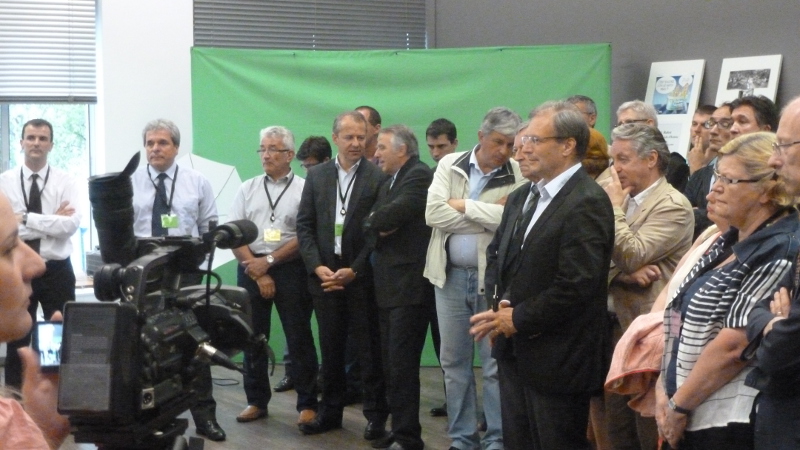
{"x":236,"y":93}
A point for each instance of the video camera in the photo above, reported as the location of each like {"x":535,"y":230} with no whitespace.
{"x":128,"y":366}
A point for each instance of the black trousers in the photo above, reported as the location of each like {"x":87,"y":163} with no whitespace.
{"x":352,"y":307}
{"x":540,"y":421}
{"x":294,"y":306}
{"x":52,"y":290}
{"x":403,"y":332}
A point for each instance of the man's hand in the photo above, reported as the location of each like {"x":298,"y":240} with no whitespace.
{"x":779,"y":306}
{"x":502,"y":201}
{"x":614,"y":190}
{"x":65,"y":210}
{"x":266,"y":286}
{"x":18,"y":217}
{"x":643,"y":277}
{"x":339,"y":280}
{"x":697,"y":156}
{"x":459,"y":204}
{"x":256,"y":267}
{"x":493,"y":323}
{"x":40,"y":396}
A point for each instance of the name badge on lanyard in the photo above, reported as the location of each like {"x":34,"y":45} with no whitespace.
{"x":272,"y":235}
{"x":169,"y":220}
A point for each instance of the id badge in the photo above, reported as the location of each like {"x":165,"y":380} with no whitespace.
{"x":272,"y":235}
{"x":338,"y":229}
{"x":169,"y":221}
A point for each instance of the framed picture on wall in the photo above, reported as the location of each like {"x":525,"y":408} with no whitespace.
{"x":753,"y":75}
{"x":673,"y":89}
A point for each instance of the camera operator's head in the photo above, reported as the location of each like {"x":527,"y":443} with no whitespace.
{"x":18,"y":266}
{"x":162,"y":139}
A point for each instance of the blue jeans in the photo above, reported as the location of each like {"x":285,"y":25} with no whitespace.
{"x":456,"y":302}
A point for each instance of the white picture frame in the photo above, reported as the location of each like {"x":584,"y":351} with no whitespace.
{"x":673,"y":88}
{"x":752,"y":75}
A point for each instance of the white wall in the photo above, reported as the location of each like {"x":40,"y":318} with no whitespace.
{"x":144,"y":73}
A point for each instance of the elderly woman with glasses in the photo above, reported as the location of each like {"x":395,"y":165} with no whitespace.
{"x":702,"y":401}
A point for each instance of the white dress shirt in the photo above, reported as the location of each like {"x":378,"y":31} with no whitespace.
{"x":345,"y":178}
{"x":193,"y":201}
{"x":548,"y":191}
{"x":55,"y":231}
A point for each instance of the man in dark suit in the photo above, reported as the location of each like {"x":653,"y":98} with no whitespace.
{"x":337,"y":197}
{"x":397,"y":227}
{"x":549,"y":262}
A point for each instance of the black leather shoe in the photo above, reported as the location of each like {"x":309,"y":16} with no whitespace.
{"x":210,"y":429}
{"x":375,"y":430}
{"x":439,"y":412}
{"x":383,"y":442}
{"x":320,"y":425}
{"x":286,"y":384}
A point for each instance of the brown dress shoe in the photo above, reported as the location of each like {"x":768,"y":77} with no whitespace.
{"x":251,"y":413}
{"x":306,"y":416}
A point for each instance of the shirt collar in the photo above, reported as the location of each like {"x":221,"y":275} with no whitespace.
{"x":352,"y":169}
{"x":473,"y":163}
{"x":551,"y":189}
{"x":641,"y":196}
{"x":170,"y":172}
{"x":27,"y":172}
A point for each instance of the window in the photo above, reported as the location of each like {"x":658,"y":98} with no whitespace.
{"x":310,"y":24}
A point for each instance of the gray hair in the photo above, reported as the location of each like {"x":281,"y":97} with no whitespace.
{"x":591,"y":107}
{"x":402,"y":135}
{"x":522,"y":127}
{"x":645,"y":138}
{"x":642,"y":110}
{"x":355,"y":115}
{"x":162,"y":124}
{"x":568,"y":122}
{"x":501,"y":120}
{"x":276,"y":130}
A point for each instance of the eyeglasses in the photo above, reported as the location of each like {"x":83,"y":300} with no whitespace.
{"x":536,"y":140}
{"x":626,"y":122}
{"x":271,"y":151}
{"x":779,"y":149}
{"x":308,"y":165}
{"x":726,"y":181}
{"x":724,"y":124}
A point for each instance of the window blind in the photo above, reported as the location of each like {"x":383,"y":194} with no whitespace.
{"x":310,"y":24}
{"x":47,"y":51}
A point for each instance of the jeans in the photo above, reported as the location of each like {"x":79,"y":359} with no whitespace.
{"x":456,"y":302}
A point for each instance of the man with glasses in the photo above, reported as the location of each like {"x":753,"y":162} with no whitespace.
{"x":637,"y":111}
{"x":174,"y":200}
{"x":546,"y":270}
{"x":337,"y":197}
{"x":464,"y":207}
{"x":700,"y":182}
{"x":699,"y":154}
{"x":653,"y":229}
{"x":271,"y":270}
{"x":313,"y":151}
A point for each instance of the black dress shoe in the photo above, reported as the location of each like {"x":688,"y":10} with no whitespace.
{"x":320,"y":425}
{"x":375,"y":430}
{"x":210,"y":429}
{"x":383,"y":442}
{"x":286,"y":384}
{"x":439,"y":412}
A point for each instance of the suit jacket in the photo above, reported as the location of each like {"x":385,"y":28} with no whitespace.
{"x":658,"y":233}
{"x":399,"y":258}
{"x":316,"y":219}
{"x":558,"y":289}
{"x":697,"y":189}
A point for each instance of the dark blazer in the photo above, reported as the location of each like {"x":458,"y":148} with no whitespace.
{"x":697,"y":189}
{"x":399,"y":258}
{"x":677,"y":171}
{"x":316,"y":218}
{"x":558,"y":288}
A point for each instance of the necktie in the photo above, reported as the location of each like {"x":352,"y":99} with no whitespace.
{"x":35,"y":206}
{"x":160,"y":206}
{"x":527,"y":213}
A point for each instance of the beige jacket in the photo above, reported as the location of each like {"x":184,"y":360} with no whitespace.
{"x":482,"y":216}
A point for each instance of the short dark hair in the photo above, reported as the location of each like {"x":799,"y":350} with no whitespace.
{"x":706,"y":110}
{"x":316,"y":147}
{"x":374,"y":115}
{"x":442,"y":126}
{"x":765,"y":110}
{"x":591,"y":107}
{"x":36,"y":123}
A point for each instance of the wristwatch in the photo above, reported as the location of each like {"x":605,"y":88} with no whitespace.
{"x":24,"y":218}
{"x":674,"y":406}
{"x":270,"y":259}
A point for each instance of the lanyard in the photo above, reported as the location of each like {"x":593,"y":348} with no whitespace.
{"x":171,"y":192}
{"x":343,"y":198}
{"x":22,"y":184}
{"x":272,"y":206}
